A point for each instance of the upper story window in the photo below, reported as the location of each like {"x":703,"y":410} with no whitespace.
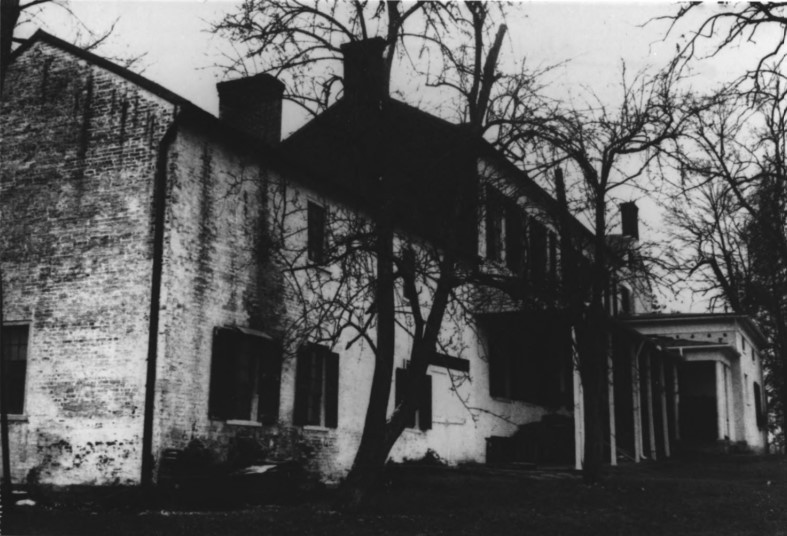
{"x":245,"y":376}
{"x":316,"y":225}
{"x":317,"y":387}
{"x":538,"y":250}
{"x":625,"y":300}
{"x":494,"y":219}
{"x":516,"y":235}
{"x":14,"y":340}
{"x":552,"y":249}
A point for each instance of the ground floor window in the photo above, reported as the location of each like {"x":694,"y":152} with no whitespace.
{"x":245,"y":376}
{"x":422,"y":416}
{"x":317,"y":387}
{"x":14,"y":341}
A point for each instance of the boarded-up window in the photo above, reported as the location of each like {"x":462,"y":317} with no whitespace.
{"x":317,"y":387}
{"x":14,"y":339}
{"x":316,"y":233}
{"x":245,"y":377}
{"x":422,"y":416}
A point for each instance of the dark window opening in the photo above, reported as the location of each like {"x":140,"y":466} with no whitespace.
{"x":529,"y":359}
{"x":14,"y":340}
{"x":759,"y":413}
{"x":316,"y":232}
{"x":317,"y":387}
{"x":245,"y":377}
{"x":422,"y":416}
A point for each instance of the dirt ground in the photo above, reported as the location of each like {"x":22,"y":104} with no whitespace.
{"x":743,"y":495}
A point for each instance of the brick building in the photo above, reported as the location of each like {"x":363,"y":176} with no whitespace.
{"x":155,"y":300}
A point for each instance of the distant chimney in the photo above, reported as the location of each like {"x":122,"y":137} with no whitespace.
{"x":629,"y":219}
{"x":253,"y":105}
{"x":364,"y":70}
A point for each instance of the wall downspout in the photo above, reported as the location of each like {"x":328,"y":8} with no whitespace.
{"x":159,"y":214}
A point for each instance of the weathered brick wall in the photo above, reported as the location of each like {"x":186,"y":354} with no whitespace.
{"x":78,"y":150}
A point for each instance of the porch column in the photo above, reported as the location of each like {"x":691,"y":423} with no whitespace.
{"x":613,"y":444}
{"x":721,"y":401}
{"x":637,"y":405}
{"x":579,"y":411}
{"x":664,"y":416}
{"x":649,"y":405}
{"x":731,"y":428}
{"x":676,"y":400}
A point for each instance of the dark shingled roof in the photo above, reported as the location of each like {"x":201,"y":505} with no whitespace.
{"x":432,"y":163}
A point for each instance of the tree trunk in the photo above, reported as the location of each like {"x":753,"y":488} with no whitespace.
{"x":372,"y":452}
{"x":590,"y":338}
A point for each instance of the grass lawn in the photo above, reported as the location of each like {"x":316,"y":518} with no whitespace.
{"x":743,"y":495}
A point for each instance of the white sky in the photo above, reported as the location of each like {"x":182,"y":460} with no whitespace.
{"x":594,"y":36}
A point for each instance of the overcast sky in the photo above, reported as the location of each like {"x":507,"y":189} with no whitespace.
{"x":594,"y":37}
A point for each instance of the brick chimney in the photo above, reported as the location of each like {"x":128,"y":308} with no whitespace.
{"x":364,"y":70}
{"x":253,"y":104}
{"x":629,"y":219}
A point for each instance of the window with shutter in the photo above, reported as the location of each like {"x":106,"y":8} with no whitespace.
{"x":245,"y":376}
{"x":14,"y":340}
{"x":316,"y":387}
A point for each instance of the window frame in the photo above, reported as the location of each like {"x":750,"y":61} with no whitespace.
{"x":315,"y":358}
{"x":235,"y":350}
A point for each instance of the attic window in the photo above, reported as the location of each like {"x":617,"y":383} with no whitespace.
{"x":316,"y":232}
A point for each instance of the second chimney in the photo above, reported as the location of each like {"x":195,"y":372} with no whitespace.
{"x":253,"y":105}
{"x":629,"y":219}
{"x":364,"y":70}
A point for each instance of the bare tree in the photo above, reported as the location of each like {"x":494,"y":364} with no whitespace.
{"x":730,"y":25}
{"x":446,"y":44}
{"x":610,"y":149}
{"x":728,"y":206}
{"x":16,"y":13}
